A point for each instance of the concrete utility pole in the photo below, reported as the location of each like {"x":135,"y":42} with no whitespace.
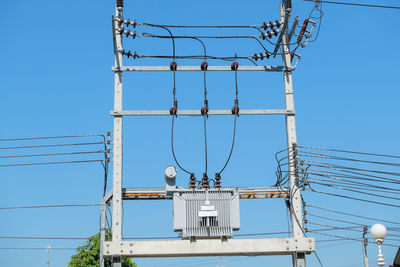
{"x":48,"y":256}
{"x":117,"y":139}
{"x":296,"y":216}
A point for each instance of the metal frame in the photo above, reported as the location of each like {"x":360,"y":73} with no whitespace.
{"x":297,"y":246}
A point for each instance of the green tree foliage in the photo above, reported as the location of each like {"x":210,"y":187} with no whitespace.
{"x":88,"y":255}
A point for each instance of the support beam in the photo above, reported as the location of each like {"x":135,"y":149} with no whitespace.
{"x":244,"y":193}
{"x":198,"y":113}
{"x":210,"y":247}
{"x":198,"y":68}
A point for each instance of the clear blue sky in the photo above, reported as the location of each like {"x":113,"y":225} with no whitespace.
{"x":56,"y":79}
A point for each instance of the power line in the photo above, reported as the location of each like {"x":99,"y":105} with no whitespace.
{"x":353,"y":215}
{"x":352,"y":4}
{"x":37,"y":248}
{"x":55,"y":154}
{"x":53,"y":145}
{"x":50,"y":206}
{"x":51,"y":163}
{"x":53,"y":137}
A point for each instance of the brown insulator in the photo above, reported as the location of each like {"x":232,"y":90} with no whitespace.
{"x":261,"y":56}
{"x":262,"y":36}
{"x":255,"y":57}
{"x":173,"y":65}
{"x":271,"y":24}
{"x":204,"y":110}
{"x":192,"y":183}
{"x":275,"y":32}
{"x":128,"y":22}
{"x":205,"y":181}
{"x":278,"y":23}
{"x":173,"y":110}
{"x":269,"y":34}
{"x":204,"y":65}
{"x":265,"y":26}
{"x":133,"y":35}
{"x":234,"y":65}
{"x":235,"y":108}
{"x":134,"y":23}
{"x":135,"y":55}
{"x":127,"y":33}
{"x":121,"y":30}
{"x":217,"y":180}
{"x":120,"y":3}
{"x":302,"y":31}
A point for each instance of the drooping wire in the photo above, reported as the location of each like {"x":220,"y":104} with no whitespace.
{"x":234,"y":122}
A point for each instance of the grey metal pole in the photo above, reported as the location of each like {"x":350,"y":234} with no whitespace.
{"x":117,"y":140}
{"x":295,"y":196}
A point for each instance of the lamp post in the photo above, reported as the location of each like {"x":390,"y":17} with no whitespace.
{"x":378,"y":232}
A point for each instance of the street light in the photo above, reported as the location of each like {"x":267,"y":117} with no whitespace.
{"x":378,"y":232}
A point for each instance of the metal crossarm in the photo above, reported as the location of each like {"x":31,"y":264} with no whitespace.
{"x":198,"y":112}
{"x":198,"y":68}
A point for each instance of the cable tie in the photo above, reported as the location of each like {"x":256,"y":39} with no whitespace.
{"x":173,"y":65}
{"x":204,"y":65}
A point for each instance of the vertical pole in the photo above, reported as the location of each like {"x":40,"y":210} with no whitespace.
{"x":117,"y":141}
{"x":295,"y":196}
{"x":102,"y":231}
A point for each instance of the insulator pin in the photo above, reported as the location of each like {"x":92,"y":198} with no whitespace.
{"x":204,"y":65}
{"x":235,"y":65}
{"x":173,"y":65}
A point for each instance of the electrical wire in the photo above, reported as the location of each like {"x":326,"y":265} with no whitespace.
{"x":353,"y":4}
{"x":53,"y":145}
{"x":234,"y":123}
{"x":50,"y":137}
{"x":50,"y":206}
{"x":54,"y":154}
{"x":51,"y":163}
{"x":352,"y":215}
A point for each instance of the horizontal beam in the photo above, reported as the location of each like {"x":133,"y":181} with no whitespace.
{"x":198,"y":113}
{"x":209,"y":247}
{"x":244,"y":193}
{"x":198,"y":68}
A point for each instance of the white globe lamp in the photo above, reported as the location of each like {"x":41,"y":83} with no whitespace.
{"x":378,"y":232}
